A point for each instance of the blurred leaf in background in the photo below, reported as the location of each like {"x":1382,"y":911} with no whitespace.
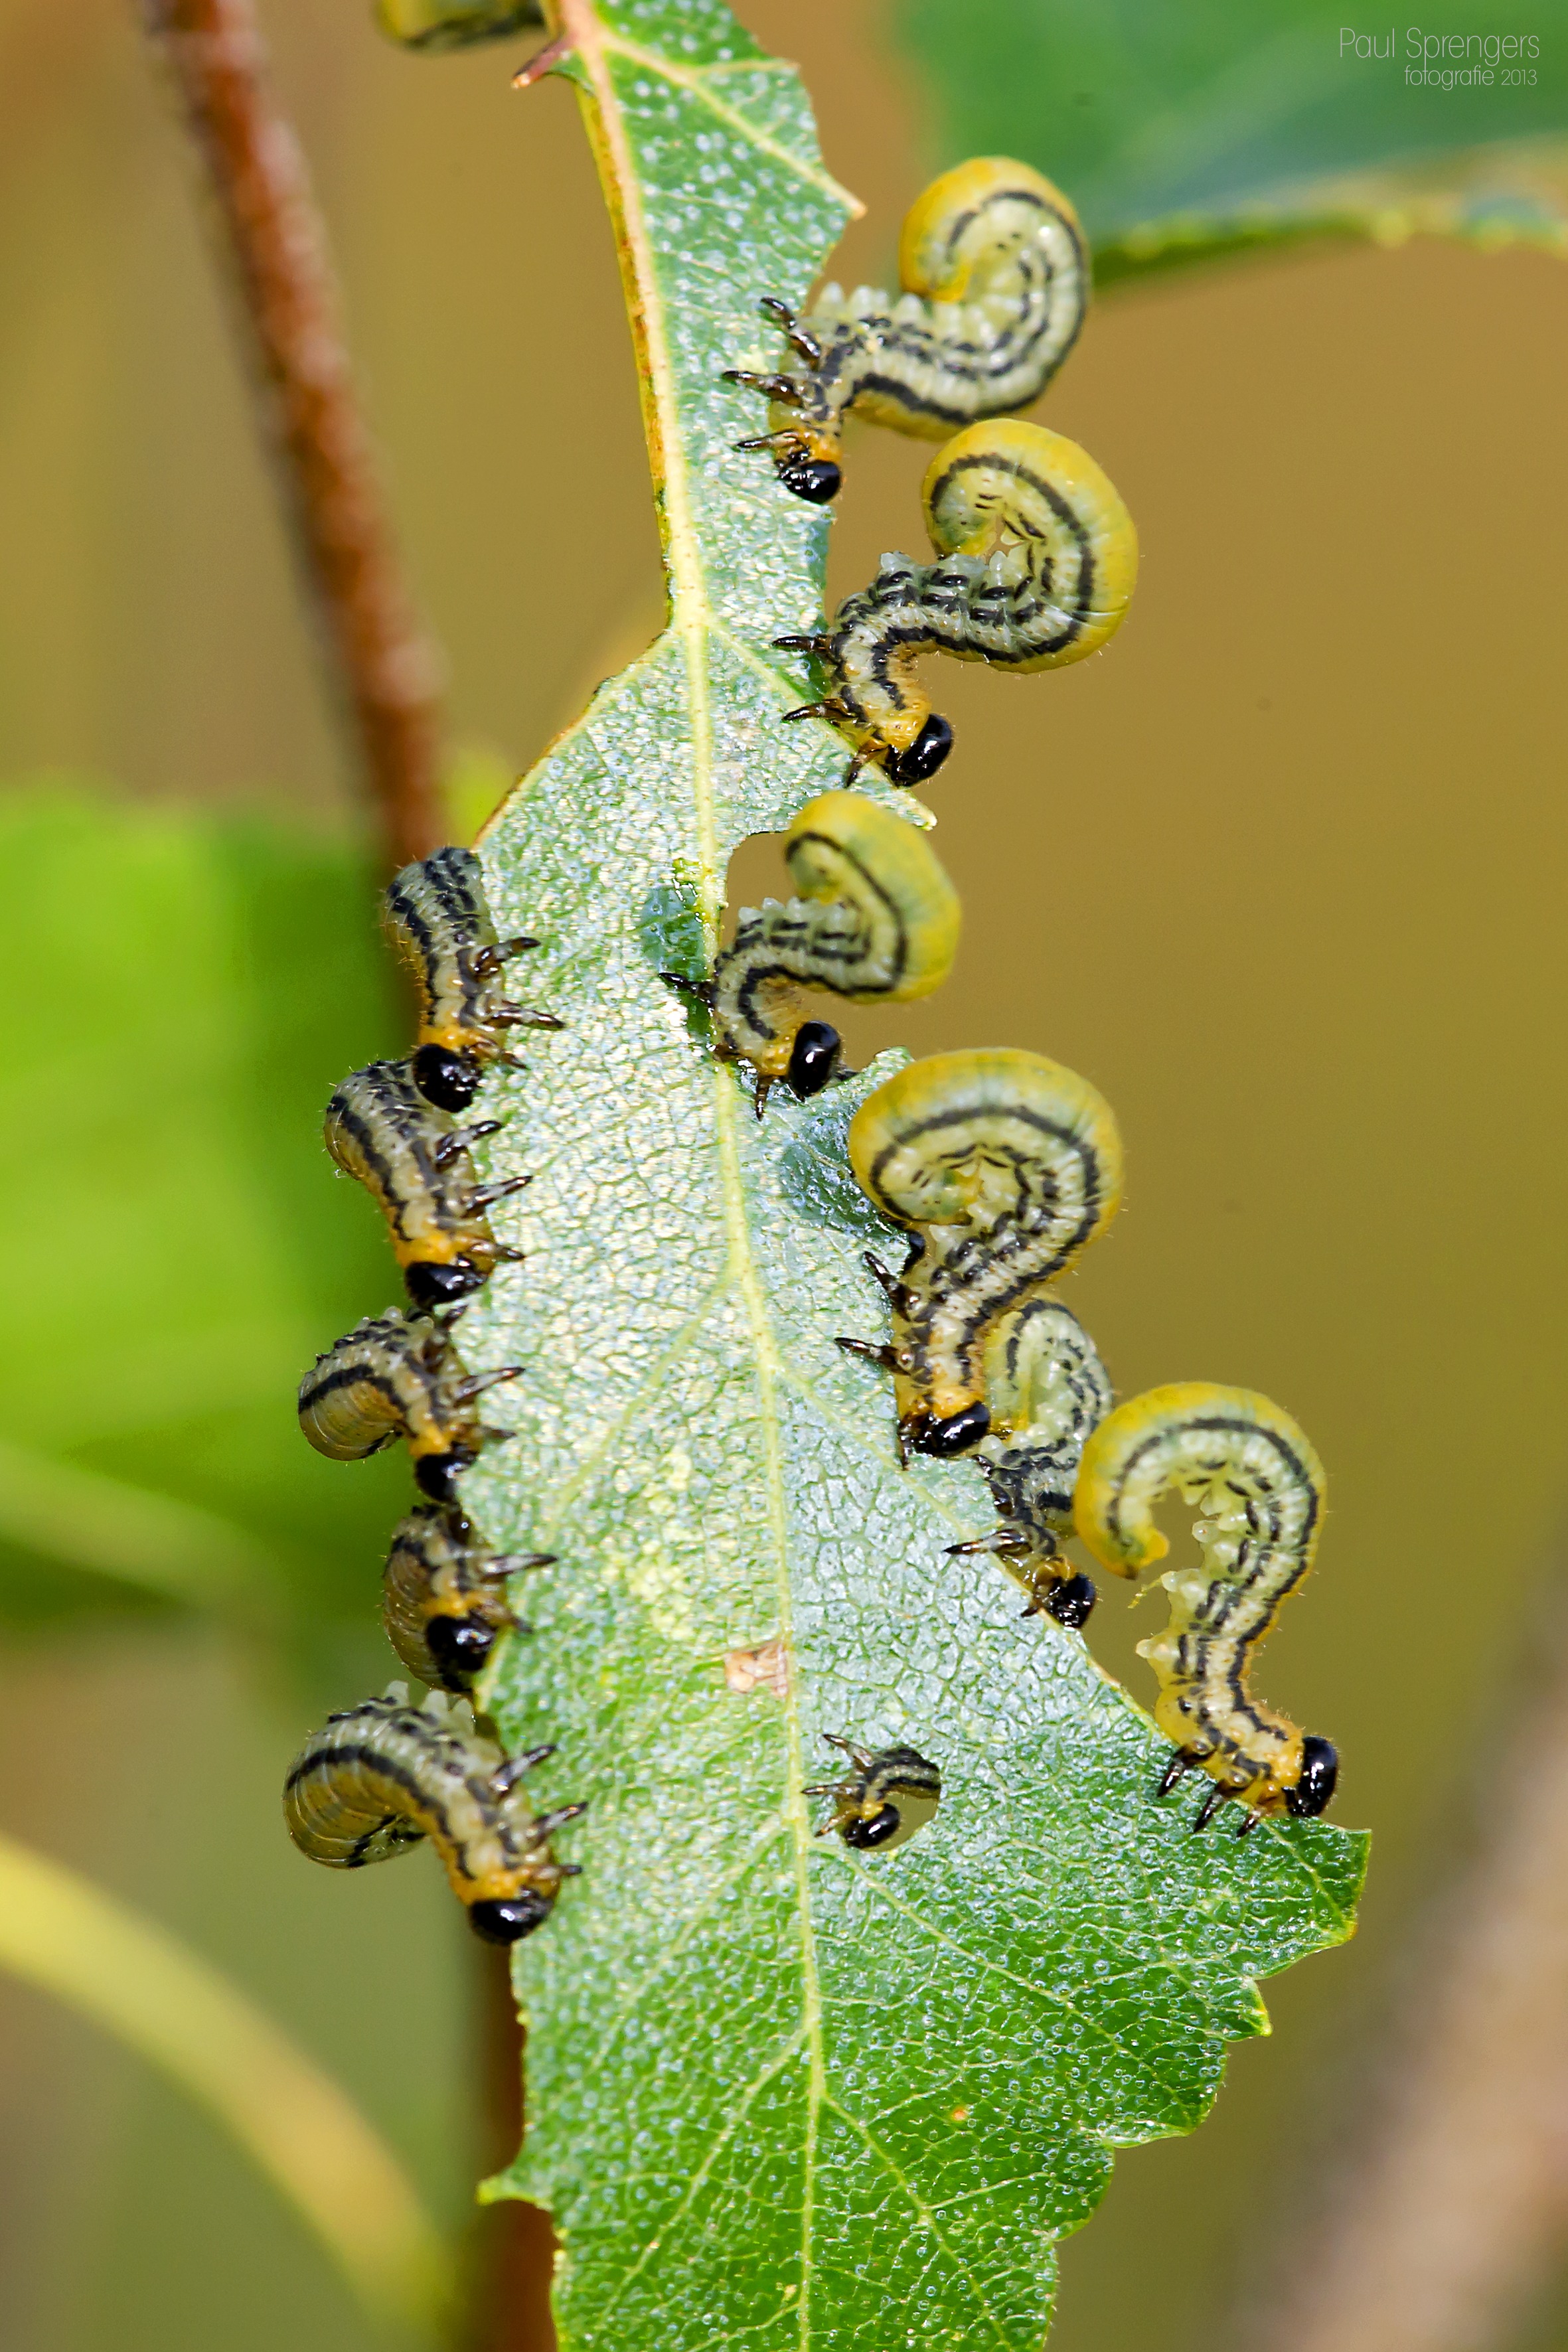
{"x":1184,"y":133}
{"x":185,"y":990}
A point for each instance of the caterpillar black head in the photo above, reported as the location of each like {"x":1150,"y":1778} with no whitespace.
{"x":509,"y":1922}
{"x":816,"y":480}
{"x":924,"y":756}
{"x":1319,"y":1776}
{"x":459,"y":1646}
{"x":432,"y":1282}
{"x":925,"y":1434}
{"x":813,"y":1057}
{"x":446,"y":1076}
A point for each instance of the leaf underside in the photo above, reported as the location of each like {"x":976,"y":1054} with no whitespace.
{"x":1239,"y":126}
{"x":778,"y":2092}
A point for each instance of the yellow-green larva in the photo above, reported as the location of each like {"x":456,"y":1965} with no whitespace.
{"x":381,"y":1130}
{"x":437,"y":913}
{"x":1046,"y":1391}
{"x":394,"y":1376}
{"x":382,"y":1777}
{"x":876,"y":921}
{"x":1003,"y":1166}
{"x":885,"y":1801}
{"x":443,"y":1599}
{"x":995,"y":273}
{"x":1252,"y":1474}
{"x":1037,"y":561}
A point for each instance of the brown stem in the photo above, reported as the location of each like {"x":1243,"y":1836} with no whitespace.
{"x":1451,"y":2208}
{"x":386,"y":665}
{"x":514,"y":2246}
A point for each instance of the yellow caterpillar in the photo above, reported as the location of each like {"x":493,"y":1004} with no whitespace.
{"x":1036,"y":562}
{"x":1046,"y":1390}
{"x":437,"y":913}
{"x":442,"y":1602}
{"x":380,"y":1130}
{"x":1004,"y":1165}
{"x":382,"y":1777}
{"x":885,"y":1801}
{"x":996,"y":275}
{"x":394,"y":1376}
{"x":876,"y":921}
{"x":1252,"y":1472}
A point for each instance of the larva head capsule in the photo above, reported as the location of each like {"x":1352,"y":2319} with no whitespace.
{"x":1252,"y":1474}
{"x":816,"y":480}
{"x":1319,"y":1776}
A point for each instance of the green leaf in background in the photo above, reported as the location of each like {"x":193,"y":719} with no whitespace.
{"x":1183,"y":133}
{"x":185,"y":991}
{"x":780,"y":2094}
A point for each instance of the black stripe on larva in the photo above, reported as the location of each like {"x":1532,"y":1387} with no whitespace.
{"x":1083,"y":598}
{"x":1229,"y":1425}
{"x":821,"y":953}
{"x":1058,"y":1131}
{"x":352,"y":1376}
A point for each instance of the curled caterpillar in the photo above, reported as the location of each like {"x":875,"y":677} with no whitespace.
{"x":1252,"y":1472}
{"x":378,"y":1778}
{"x":876,"y":919}
{"x":1036,"y":562}
{"x":1046,"y":1390}
{"x":394,"y":1376}
{"x":379,"y":1128}
{"x":884,"y":1800}
{"x":442,"y":1602}
{"x":437,"y":913}
{"x":996,"y":275}
{"x":1004,"y":1165}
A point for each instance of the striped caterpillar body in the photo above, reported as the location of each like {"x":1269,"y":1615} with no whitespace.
{"x":437,"y":913}
{"x":1046,"y":1390}
{"x":1037,"y":561}
{"x":1250,"y":1471}
{"x":996,"y":275}
{"x":442,"y":1602}
{"x":379,"y":1128}
{"x":1005,"y":1165}
{"x":885,"y":1801}
{"x":876,"y":921}
{"x":378,"y":1778}
{"x":394,"y":1376}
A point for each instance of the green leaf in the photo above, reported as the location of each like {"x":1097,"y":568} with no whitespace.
{"x":1184,"y":135}
{"x":187,"y":990}
{"x":778,"y":2093}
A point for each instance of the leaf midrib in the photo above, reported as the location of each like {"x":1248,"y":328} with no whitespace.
{"x":691,"y":619}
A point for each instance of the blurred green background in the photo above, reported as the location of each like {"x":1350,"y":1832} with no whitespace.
{"x":1282,"y":873}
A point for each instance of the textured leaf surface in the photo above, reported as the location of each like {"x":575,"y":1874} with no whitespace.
{"x":780,"y":2094}
{"x":1185,"y":133}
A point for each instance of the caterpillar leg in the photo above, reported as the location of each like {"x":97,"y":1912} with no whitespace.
{"x":829,"y":709}
{"x":1217,"y":1796}
{"x":700,"y":991}
{"x":801,"y":341}
{"x":885,"y":1357}
{"x":1179,"y":1766}
{"x":785,"y":389}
